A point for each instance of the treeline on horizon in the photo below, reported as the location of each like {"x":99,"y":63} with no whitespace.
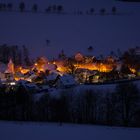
{"x":55,"y":8}
{"x":19,"y":55}
{"x":120,"y":107}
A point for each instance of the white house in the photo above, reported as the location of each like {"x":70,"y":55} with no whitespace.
{"x":66,"y":81}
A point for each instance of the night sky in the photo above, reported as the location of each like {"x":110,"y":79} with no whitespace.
{"x":72,"y":33}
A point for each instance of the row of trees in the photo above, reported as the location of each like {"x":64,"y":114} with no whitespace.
{"x":102,"y":11}
{"x":52,"y":9}
{"x":120,"y":107}
{"x":131,"y":58}
{"x":19,"y":55}
{"x":34,"y":8}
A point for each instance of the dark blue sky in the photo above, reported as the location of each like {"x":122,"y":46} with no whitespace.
{"x":69,"y":32}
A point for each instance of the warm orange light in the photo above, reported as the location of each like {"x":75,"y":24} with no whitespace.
{"x":24,"y":71}
{"x":62,"y":69}
{"x":132,"y":70}
{"x":100,"y":67}
{"x":54,"y":62}
{"x":16,"y":78}
{"x":19,"y":78}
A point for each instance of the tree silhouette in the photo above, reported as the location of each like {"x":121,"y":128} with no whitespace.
{"x":54,"y":8}
{"x":48,"y":42}
{"x":0,"y":6}
{"x":91,"y":10}
{"x":70,"y":66}
{"x":113,"y":54}
{"x":49,"y":9}
{"x":125,"y":69}
{"x":35,"y":8}
{"x":3,"y":6}
{"x":119,"y":53}
{"x":60,"y":8}
{"x":127,"y":96}
{"x":102,"y":11}
{"x":22,"y":6}
{"x":26,"y":56}
{"x":90,"y":48}
{"x":62,"y":55}
{"x":10,"y":6}
{"x":131,"y":59}
{"x":114,"y":10}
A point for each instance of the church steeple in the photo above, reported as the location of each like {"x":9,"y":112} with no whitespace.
{"x":10,"y":67}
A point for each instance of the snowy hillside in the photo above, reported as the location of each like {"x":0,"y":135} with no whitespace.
{"x":49,"y":131}
{"x":72,"y":33}
{"x":101,"y":89}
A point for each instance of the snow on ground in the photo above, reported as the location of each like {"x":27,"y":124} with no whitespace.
{"x":53,"y":131}
{"x":72,"y":33}
{"x":78,"y":89}
{"x":105,"y":87}
{"x":101,"y":88}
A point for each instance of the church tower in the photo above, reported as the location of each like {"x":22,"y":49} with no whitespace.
{"x":10,"y":67}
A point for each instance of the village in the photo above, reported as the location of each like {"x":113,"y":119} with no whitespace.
{"x":66,"y":72}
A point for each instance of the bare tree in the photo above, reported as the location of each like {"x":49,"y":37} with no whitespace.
{"x":102,"y":11}
{"x":92,"y":11}
{"x":54,"y":7}
{"x":127,"y":96}
{"x":22,"y":6}
{"x":49,"y":9}
{"x":90,"y":48}
{"x":35,"y":8}
{"x":60,"y":8}
{"x":114,"y":10}
{"x":10,"y":6}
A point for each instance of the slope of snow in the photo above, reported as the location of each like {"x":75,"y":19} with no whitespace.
{"x":103,"y":88}
{"x":53,"y":131}
{"x":72,"y":33}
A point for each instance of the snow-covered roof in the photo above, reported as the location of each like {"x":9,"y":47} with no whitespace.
{"x":67,"y":80}
{"x":7,"y":71}
{"x":19,"y":74}
{"x":50,"y":67}
{"x":22,"y":82}
{"x":52,"y":76}
{"x":32,"y":76}
{"x":32,"y":86}
{"x":27,"y":84}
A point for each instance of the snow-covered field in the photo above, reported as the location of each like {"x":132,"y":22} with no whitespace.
{"x":72,"y":33}
{"x":53,"y":131}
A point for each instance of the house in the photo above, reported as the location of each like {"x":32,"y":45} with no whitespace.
{"x":66,"y":81}
{"x":52,"y":79}
{"x":31,"y":87}
{"x":9,"y":72}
